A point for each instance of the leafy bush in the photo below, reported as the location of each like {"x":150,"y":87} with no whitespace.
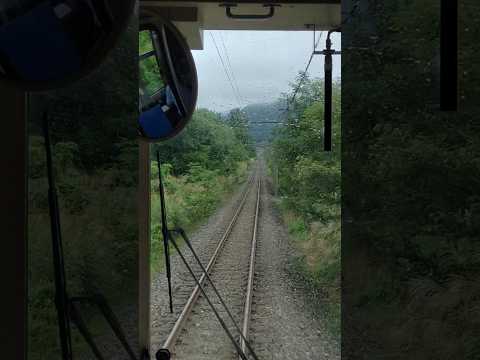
{"x":208,"y":141}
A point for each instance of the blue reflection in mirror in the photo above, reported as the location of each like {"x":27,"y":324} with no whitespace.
{"x":160,"y":120}
{"x":164,"y":88}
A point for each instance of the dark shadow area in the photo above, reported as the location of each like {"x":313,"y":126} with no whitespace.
{"x":95,"y":157}
{"x":410,"y":250}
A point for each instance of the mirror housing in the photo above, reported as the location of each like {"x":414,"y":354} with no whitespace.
{"x":49,"y":44}
{"x":168,"y":86}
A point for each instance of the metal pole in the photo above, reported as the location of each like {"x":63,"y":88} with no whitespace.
{"x":327,"y":130}
{"x":165,"y":232}
{"x":61,"y":299}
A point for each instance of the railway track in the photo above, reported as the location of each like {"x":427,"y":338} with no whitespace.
{"x":197,"y":333}
{"x":205,"y":242}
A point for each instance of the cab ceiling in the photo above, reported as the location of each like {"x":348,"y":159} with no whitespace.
{"x":192,"y":18}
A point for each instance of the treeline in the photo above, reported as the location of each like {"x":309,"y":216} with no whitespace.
{"x":200,"y":167}
{"x":308,"y":180}
{"x":209,"y":141}
{"x":263,"y":118}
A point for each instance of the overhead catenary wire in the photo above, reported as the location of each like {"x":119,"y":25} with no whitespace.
{"x":225,"y":70}
{"x":304,"y":74}
{"x":222,"y":62}
{"x":229,"y":65}
{"x":230,"y":69}
{"x":327,"y":133}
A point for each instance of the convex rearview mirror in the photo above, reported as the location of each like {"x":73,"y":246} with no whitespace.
{"x":46,"y":44}
{"x":168,"y":84}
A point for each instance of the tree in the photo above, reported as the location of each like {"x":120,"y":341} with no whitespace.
{"x":238,"y":121}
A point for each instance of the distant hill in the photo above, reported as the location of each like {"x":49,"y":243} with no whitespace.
{"x":263,"y":112}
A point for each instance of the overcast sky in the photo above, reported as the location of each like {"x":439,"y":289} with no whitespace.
{"x":263,"y":64}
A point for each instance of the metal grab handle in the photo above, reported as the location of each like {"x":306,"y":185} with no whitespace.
{"x":249,"y":16}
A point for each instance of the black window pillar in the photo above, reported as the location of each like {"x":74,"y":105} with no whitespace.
{"x":13,"y":205}
{"x":448,"y":55}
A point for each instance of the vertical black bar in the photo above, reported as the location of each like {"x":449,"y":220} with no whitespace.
{"x":448,"y":54}
{"x":61,"y":300}
{"x":165,"y":231}
{"x":327,"y":130}
{"x":13,"y":248}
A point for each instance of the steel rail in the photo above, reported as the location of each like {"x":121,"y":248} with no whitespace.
{"x":219,"y":318}
{"x":173,"y":335}
{"x":251,"y":275}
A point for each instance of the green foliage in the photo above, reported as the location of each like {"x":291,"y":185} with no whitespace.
{"x":309,"y":186}
{"x":238,"y":121}
{"x":190,"y":199}
{"x":262,"y":119}
{"x":149,"y":75}
{"x":319,"y":265}
{"x":99,"y":234}
{"x":207,"y":142}
{"x":144,"y":42}
{"x":309,"y":178}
